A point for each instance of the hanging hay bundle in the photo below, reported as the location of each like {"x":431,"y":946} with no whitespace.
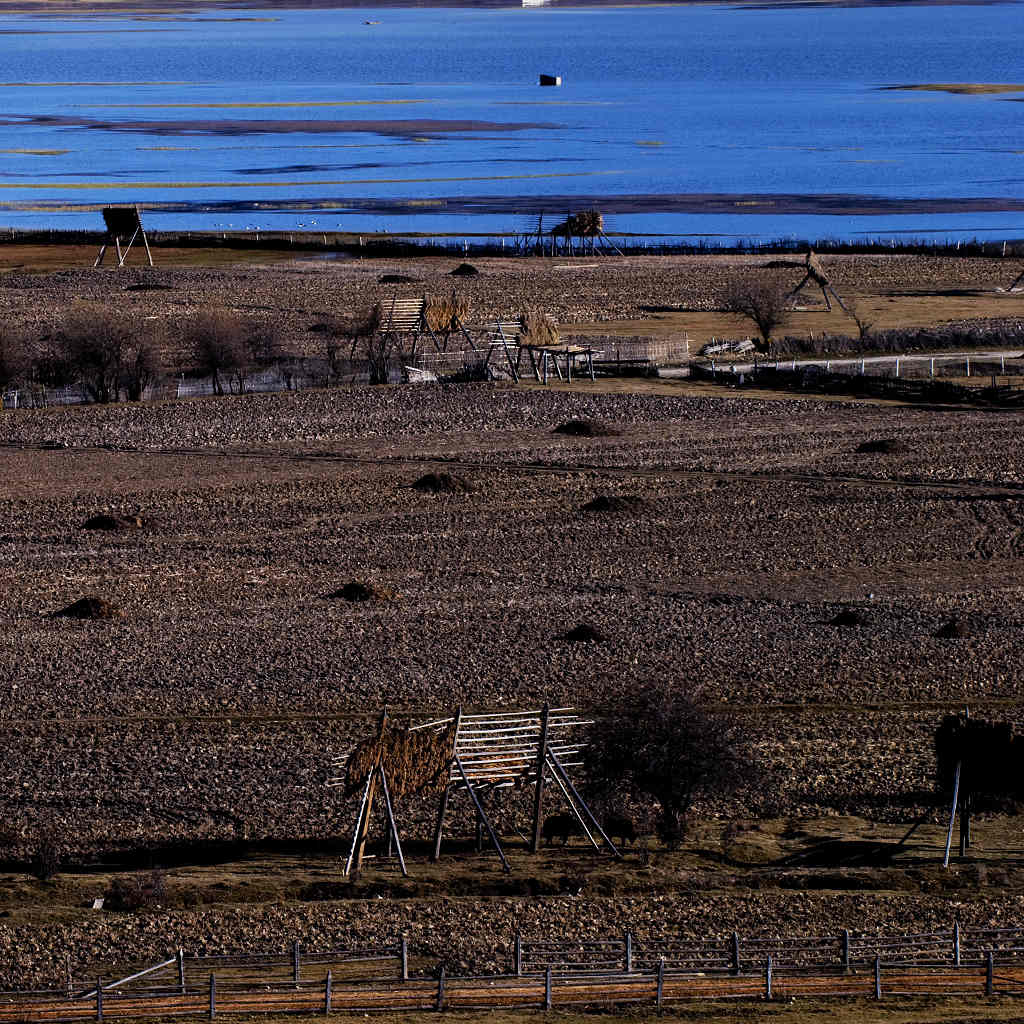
{"x":814,"y":268}
{"x":414,"y":761}
{"x":444,"y":314}
{"x":585,"y":224}
{"x":536,"y":328}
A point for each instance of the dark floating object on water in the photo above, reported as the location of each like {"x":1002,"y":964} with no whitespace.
{"x":955,"y":629}
{"x":88,"y":608}
{"x":465,"y":270}
{"x":550,"y":79}
{"x":443,"y":483}
{"x":614,"y":503}
{"x":584,"y":633}
{"x":585,"y":428}
{"x":849,"y":617}
{"x":397,"y":279}
{"x":108,"y":522}
{"x":884,"y":446}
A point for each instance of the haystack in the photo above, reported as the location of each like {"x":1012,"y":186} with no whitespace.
{"x":414,"y":762}
{"x":585,"y":224}
{"x":465,"y":270}
{"x":444,"y":314}
{"x":538,"y":329}
{"x":443,"y":483}
{"x":585,"y":428}
{"x":88,"y":608}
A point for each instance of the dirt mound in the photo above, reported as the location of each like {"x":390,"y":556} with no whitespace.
{"x":849,"y":617}
{"x":585,"y":428}
{"x":397,"y":279}
{"x":443,"y":483}
{"x":884,"y":446}
{"x":584,"y":633}
{"x":108,"y":522}
{"x":88,"y":608}
{"x":614,"y":503}
{"x":955,"y":629}
{"x":465,"y":270}
{"x":356,"y":590}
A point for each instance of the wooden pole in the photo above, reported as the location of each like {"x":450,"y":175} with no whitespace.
{"x":99,"y":999}
{"x":846,"y":950}
{"x":952,"y":815}
{"x":660,"y":991}
{"x":989,"y":972}
{"x":403,"y":952}
{"x":391,"y":819}
{"x":629,"y":952}
{"x":590,"y":814}
{"x":442,"y":807}
{"x":213,"y":997}
{"x":296,"y":961}
{"x":547,"y":988}
{"x":768,"y":979}
{"x":956,"y":943}
{"x":483,"y":814}
{"x":328,"y":986}
{"x":517,"y":955}
{"x":538,"y":793}
{"x":440,"y":988}
{"x":181,"y":970}
{"x":359,"y":821}
{"x":878,"y":977}
{"x":364,"y":825}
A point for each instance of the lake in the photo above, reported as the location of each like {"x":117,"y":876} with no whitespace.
{"x":711,"y":121}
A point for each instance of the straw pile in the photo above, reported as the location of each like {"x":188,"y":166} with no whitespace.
{"x":536,"y":328}
{"x":444,"y":314}
{"x":585,"y":224}
{"x":414,"y":762}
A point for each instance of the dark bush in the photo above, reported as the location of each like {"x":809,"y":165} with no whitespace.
{"x":137,"y":892}
{"x":45,"y":861}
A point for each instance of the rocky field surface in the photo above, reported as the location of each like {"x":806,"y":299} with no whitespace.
{"x":837,"y":600}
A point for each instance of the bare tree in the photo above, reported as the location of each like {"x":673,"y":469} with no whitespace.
{"x":864,"y":320}
{"x":668,"y":748}
{"x":141,"y":367}
{"x":94,"y":343}
{"x":222,"y":346}
{"x":15,"y":360}
{"x":760,"y":300}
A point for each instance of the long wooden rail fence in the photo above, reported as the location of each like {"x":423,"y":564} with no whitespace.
{"x":543,"y":975}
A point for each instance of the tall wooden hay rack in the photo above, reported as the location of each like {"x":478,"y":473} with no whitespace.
{"x":122,"y":222}
{"x":481,"y":753}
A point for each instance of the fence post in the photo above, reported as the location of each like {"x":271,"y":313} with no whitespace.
{"x":296,"y":963}
{"x":878,"y":977}
{"x":440,"y":988}
{"x":517,"y":955}
{"x":768,"y":979}
{"x":661,"y":983}
{"x":547,"y":988}
{"x":181,"y":970}
{"x":968,"y":366}
{"x":897,"y":366}
{"x":846,"y":950}
{"x":403,"y":952}
{"x":989,"y":968}
{"x":931,"y":367}
{"x":328,"y":986}
{"x":213,"y":997}
{"x":99,"y":999}
{"x":735,"y":953}
{"x":956,"y":943}
{"x":629,"y":952}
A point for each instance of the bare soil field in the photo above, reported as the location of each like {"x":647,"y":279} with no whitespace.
{"x":197,"y":722}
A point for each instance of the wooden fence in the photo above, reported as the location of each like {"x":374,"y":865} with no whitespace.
{"x":545,"y":974}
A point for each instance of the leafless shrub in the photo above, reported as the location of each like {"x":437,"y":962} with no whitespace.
{"x":45,"y":862}
{"x":15,"y":358}
{"x":864,"y":319}
{"x":137,"y":892}
{"x":760,"y":300}
{"x":95,"y":344}
{"x":226,"y":347}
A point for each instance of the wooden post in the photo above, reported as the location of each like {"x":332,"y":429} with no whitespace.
{"x":629,"y":952}
{"x":956,"y":943}
{"x":364,"y":824}
{"x":846,"y":950}
{"x":952,"y":814}
{"x":965,"y":824}
{"x":768,"y":979}
{"x":442,"y":807}
{"x":296,"y":961}
{"x":327,"y":993}
{"x":538,"y":792}
{"x":989,"y":970}
{"x":517,"y":955}
{"x":660,"y":991}
{"x":878,"y":977}
{"x":735,"y":953}
{"x":181,"y":970}
{"x":213,"y":997}
{"x":99,"y":999}
{"x":547,"y":988}
{"x":483,"y":814}
{"x":359,"y":824}
{"x":67,"y":958}
{"x":393,"y":825}
{"x":440,"y":988}
{"x":403,"y":952}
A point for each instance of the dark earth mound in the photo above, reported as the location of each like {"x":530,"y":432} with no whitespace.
{"x":88,"y":608}
{"x":955,"y":629}
{"x":465,"y":270}
{"x":849,"y":617}
{"x":885,"y":446}
{"x":585,"y":428}
{"x":103,"y":521}
{"x":359,"y":591}
{"x":584,"y":633}
{"x":443,"y":483}
{"x":614,"y":503}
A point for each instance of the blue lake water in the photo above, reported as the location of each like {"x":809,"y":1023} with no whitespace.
{"x":432,"y":119}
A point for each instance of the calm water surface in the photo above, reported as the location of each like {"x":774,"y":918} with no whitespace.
{"x":432,"y":119}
